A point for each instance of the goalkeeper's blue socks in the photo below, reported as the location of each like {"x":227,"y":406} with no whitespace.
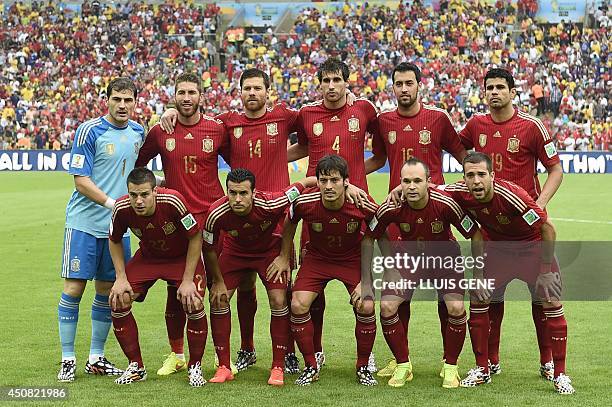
{"x":68,"y":316}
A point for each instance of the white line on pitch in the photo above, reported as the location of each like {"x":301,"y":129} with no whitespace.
{"x":601,"y":222}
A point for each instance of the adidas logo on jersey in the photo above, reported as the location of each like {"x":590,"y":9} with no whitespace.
{"x":407,"y":128}
{"x":334,"y":220}
{"x":188,"y":136}
{"x":150,"y":226}
{"x":334,"y":119}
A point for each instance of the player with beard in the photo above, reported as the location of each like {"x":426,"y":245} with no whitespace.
{"x":412,"y":130}
{"x":189,"y":157}
{"x":515,"y":141}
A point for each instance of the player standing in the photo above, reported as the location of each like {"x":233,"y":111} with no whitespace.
{"x":336,"y":228}
{"x":190,"y":161}
{"x":332,"y":126}
{"x":509,"y":216}
{"x":412,"y":130}
{"x":515,"y":141}
{"x":170,"y":250}
{"x":103,"y":153}
{"x":424,"y":220}
{"x":250,"y":220}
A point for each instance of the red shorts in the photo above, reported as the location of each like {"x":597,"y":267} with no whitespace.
{"x":234,"y":267}
{"x":315,"y":273}
{"x":502,"y":265}
{"x":143,"y":273}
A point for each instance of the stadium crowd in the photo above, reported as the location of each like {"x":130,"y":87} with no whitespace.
{"x":562,"y":70}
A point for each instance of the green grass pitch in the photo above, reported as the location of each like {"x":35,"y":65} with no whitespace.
{"x":32,"y":219}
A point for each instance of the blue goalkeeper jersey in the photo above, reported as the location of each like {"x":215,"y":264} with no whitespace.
{"x":106,"y":154}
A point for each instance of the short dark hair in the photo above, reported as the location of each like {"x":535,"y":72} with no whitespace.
{"x":500,"y":73}
{"x":190,"y":77}
{"x":255,"y":73}
{"x":120,"y":84}
{"x":141,"y":175}
{"x":332,"y":162}
{"x":415,"y":161}
{"x":238,"y":175}
{"x":476,"y":157}
{"x":406,"y":67}
{"x":333,"y":65}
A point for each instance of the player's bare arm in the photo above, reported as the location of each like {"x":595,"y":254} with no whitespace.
{"x":477,"y":245}
{"x":121,"y":285}
{"x":296,"y":152}
{"x":187,"y":293}
{"x":85,"y":186}
{"x":552,"y":184}
{"x":281,"y":266}
{"x":218,"y":290}
{"x":375,"y":162}
{"x":548,"y":282}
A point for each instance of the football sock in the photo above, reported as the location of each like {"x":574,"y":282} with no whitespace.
{"x":479,"y":333}
{"x":365,"y":333}
{"x":394,"y":333}
{"x":100,"y":325}
{"x":279,"y":332}
{"x":557,"y":330}
{"x":247,"y":307}
{"x":317,"y":310}
{"x":68,"y":316}
{"x":454,"y":337}
{"x":404,"y":315}
{"x":221,"y":325}
{"x":539,"y":320}
{"x":126,"y":332}
{"x":303,"y":331}
{"x":197,"y":331}
{"x":496,"y":315}
{"x":175,"y":321}
{"x":443,"y":317}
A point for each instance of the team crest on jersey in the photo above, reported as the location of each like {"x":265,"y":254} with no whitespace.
{"x":353,"y":124}
{"x":75,"y":265}
{"x":136,"y":232}
{"x":317,"y":129}
{"x":405,"y":227}
{"x":317,"y":227}
{"x":392,"y":137}
{"x":110,"y":149}
{"x":238,"y":132}
{"x":233,"y":233}
{"x":265,"y":225}
{"x":169,"y":228}
{"x":170,"y":144}
{"x":352,"y":227}
{"x":271,"y":129}
{"x":207,"y":145}
{"x":503,"y":219}
{"x":437,"y":226}
{"x":424,"y":137}
{"x":482,"y":140}
{"x":513,"y":144}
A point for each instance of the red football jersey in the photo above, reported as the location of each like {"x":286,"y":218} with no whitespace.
{"x":252,"y":235}
{"x":338,"y":131}
{"x":334,"y":236}
{"x":260,"y":145}
{"x":423,"y":136}
{"x":432,"y":223}
{"x":512,"y":215}
{"x":190,"y":159}
{"x":515,"y":146}
{"x":163,"y":235}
